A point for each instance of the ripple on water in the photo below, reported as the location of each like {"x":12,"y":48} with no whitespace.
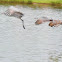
{"x":34,"y":44}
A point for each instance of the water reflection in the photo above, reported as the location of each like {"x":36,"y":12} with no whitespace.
{"x":55,"y":56}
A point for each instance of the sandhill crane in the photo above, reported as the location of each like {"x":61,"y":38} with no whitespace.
{"x":42,"y":20}
{"x":14,"y":12}
{"x":55,"y":23}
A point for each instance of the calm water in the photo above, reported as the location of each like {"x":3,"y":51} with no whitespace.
{"x":39,"y":43}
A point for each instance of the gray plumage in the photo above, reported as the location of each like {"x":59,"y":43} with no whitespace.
{"x":13,"y":12}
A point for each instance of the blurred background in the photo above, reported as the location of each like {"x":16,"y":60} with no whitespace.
{"x":32,"y":1}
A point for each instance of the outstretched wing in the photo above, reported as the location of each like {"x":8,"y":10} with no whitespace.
{"x":17,"y":14}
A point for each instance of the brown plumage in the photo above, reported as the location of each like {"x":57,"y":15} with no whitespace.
{"x":55,"y":23}
{"x":42,"y":20}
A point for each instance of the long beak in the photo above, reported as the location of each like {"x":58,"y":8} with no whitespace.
{"x":23,"y":23}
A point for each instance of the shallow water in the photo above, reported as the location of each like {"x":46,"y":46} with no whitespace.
{"x":36,"y":43}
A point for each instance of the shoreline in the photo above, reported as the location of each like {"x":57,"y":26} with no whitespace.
{"x":33,"y":5}
{"x":18,"y":2}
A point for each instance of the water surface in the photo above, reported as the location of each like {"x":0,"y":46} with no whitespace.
{"x":36,"y":43}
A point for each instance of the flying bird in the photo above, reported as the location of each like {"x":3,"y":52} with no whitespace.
{"x":14,"y":12}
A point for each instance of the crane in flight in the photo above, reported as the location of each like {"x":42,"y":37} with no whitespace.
{"x":14,"y":12}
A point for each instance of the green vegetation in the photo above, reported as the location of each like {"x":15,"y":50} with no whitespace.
{"x":34,"y":1}
{"x":48,"y":1}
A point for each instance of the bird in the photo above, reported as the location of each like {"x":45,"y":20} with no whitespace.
{"x":42,"y":20}
{"x":14,"y":12}
{"x":55,"y":23}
